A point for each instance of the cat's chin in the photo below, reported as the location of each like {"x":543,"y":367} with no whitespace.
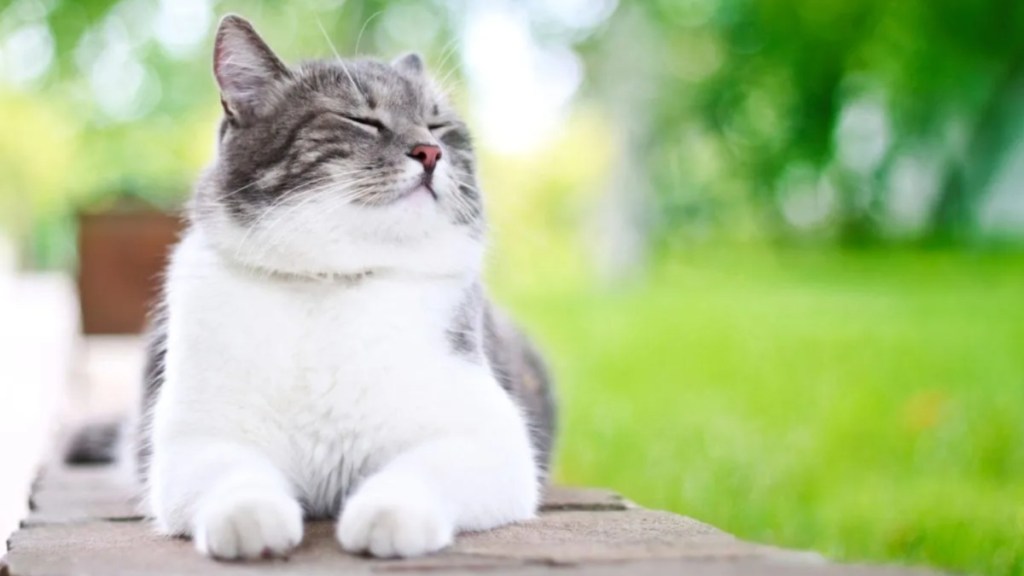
{"x":323,"y":239}
{"x":421,"y":193}
{"x":448,"y":251}
{"x":416,"y":203}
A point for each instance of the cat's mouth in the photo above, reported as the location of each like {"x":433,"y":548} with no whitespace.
{"x":424,"y":186}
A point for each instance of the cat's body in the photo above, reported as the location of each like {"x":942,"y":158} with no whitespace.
{"x":325,"y":348}
{"x":328,"y":382}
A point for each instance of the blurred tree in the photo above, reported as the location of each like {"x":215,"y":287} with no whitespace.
{"x":806,"y":106}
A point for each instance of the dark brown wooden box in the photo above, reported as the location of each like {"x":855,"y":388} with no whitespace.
{"x":122,"y":254}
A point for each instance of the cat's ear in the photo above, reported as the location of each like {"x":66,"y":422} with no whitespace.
{"x":246,"y":68}
{"x":411,"y":64}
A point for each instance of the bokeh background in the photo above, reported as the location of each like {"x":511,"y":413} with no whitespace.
{"x":773,"y":249}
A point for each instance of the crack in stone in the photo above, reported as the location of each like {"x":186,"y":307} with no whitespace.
{"x":610,"y":507}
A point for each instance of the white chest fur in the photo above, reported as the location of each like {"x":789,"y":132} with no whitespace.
{"x":327,"y":381}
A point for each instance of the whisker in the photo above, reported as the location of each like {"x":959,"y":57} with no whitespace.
{"x":463,"y":206}
{"x":448,"y":51}
{"x":284,"y":197}
{"x":362,"y":30}
{"x":237,"y":190}
{"x":308,"y":196}
{"x":443,"y":84}
{"x":341,"y":61}
{"x":327,"y":37}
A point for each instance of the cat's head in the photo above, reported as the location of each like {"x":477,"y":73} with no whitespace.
{"x":336,"y":166}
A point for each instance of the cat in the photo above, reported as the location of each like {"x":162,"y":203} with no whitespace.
{"x":325,"y":346}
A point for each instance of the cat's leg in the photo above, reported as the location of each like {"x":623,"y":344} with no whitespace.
{"x":232,"y":501}
{"x":418,"y":502}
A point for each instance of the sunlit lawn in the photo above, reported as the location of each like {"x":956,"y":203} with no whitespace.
{"x":868,"y":406}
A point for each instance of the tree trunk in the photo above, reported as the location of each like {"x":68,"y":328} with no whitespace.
{"x":970,"y":172}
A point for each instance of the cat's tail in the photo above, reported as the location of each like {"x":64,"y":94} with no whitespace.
{"x":95,"y":443}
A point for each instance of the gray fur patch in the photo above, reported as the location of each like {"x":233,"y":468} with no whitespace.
{"x":516,"y":364}
{"x":521,"y":371}
{"x":465,"y":334}
{"x":153,"y":381}
{"x":95,"y":443}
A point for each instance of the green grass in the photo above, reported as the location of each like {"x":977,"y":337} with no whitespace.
{"x":868,"y":406}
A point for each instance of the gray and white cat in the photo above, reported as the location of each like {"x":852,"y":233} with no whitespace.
{"x":325,"y":347}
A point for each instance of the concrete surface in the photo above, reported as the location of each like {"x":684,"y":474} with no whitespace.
{"x":83,"y":522}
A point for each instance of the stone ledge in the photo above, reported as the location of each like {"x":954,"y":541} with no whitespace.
{"x":83,"y":522}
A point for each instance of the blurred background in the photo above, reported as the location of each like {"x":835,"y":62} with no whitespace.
{"x":773,"y":249}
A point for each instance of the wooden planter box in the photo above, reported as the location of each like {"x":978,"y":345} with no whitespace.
{"x":122,"y":254}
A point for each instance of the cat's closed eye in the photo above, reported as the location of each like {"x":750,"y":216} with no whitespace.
{"x":370,"y":124}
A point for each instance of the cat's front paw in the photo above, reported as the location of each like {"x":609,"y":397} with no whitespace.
{"x":393,"y":523}
{"x":247,"y":526}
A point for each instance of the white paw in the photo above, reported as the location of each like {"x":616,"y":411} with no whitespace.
{"x":390,"y":523}
{"x":248,"y":526}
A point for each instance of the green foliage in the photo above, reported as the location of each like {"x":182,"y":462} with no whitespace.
{"x":763,"y":85}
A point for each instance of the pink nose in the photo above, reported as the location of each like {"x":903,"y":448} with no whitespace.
{"x":426,"y":154}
